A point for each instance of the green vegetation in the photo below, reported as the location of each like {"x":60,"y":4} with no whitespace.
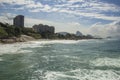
{"x":31,"y":32}
{"x":47,"y":35}
{"x":70,"y":36}
{"x":3,"y":33}
{"x":7,"y":31}
{"x":35,"y":35}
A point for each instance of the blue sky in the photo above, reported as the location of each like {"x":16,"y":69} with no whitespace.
{"x":65,"y":15}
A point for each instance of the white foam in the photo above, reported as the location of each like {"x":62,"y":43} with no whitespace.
{"x":1,"y":59}
{"x":112,"y":62}
{"x":71,"y":57}
{"x":56,"y":41}
{"x":63,"y":56}
{"x":85,"y":74}
{"x":17,"y":48}
{"x":80,"y":74}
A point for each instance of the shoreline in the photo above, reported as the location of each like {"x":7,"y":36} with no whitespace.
{"x":25,"y":38}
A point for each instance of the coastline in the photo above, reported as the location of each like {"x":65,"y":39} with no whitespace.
{"x":12,"y":34}
{"x":26,"y":38}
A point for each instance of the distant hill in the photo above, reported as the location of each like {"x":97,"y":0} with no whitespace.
{"x":78,"y":33}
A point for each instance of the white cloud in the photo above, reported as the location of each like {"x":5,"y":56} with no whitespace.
{"x":89,"y":8}
{"x":74,"y":1}
{"x":100,"y":6}
{"x":20,"y":2}
{"x":34,"y":5}
{"x":35,"y":10}
{"x":7,"y":18}
{"x":112,"y":29}
{"x":71,"y":27}
{"x":91,"y":15}
{"x":92,"y":9}
{"x":54,"y":9}
{"x":59,"y":27}
{"x":45,"y":8}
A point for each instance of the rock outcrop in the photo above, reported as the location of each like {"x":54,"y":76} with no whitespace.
{"x":22,"y":38}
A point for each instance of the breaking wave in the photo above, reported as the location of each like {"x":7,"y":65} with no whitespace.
{"x":18,"y":47}
{"x":78,"y":74}
{"x":61,"y":60}
{"x":110,"y":62}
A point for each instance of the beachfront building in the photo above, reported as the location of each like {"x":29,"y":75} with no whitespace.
{"x":44,"y":29}
{"x":19,"y":21}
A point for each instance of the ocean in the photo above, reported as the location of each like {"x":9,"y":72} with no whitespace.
{"x":61,"y":60}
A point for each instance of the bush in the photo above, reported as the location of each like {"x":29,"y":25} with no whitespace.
{"x":35,"y":35}
{"x":17,"y":31}
{"x":3,"y":33}
{"x":27,"y":30}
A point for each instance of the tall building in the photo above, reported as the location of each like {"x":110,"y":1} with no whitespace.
{"x":19,"y":21}
{"x":44,"y":29}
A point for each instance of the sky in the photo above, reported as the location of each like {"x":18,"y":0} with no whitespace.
{"x":96,"y":17}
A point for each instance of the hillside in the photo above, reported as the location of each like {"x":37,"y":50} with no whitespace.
{"x":10,"y":33}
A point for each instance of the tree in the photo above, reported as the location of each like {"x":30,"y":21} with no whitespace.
{"x":3,"y":33}
{"x":17,"y":31}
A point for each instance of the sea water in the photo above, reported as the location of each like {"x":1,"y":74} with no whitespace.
{"x":61,"y":60}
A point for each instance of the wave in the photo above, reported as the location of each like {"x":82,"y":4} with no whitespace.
{"x":62,"y":56}
{"x":55,"y":41}
{"x":19,"y":47}
{"x":1,"y":59}
{"x":110,"y":62}
{"x":78,"y":74}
